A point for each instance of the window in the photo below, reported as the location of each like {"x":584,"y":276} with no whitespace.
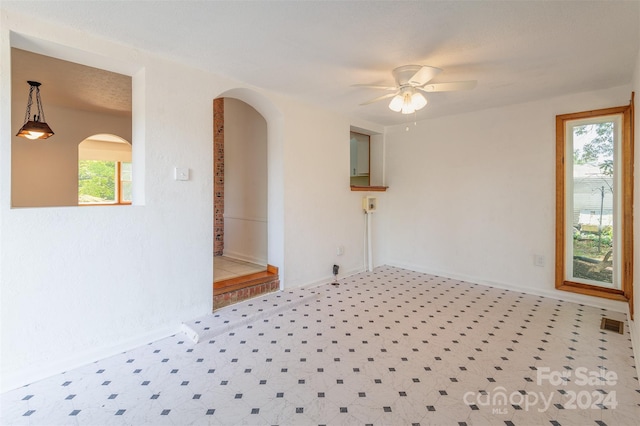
{"x":594,"y":201}
{"x":104,"y":171}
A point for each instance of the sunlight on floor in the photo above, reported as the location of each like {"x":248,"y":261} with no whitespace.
{"x":226,"y":267}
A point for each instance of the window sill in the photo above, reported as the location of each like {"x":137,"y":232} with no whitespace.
{"x":103,"y":204}
{"x":591,"y":290}
{"x":369,"y":188}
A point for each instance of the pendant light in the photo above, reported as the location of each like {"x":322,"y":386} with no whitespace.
{"x":36,"y":128}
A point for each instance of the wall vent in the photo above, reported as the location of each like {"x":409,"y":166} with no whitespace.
{"x":612,"y":325}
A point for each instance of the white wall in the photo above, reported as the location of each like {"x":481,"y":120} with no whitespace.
{"x":377,"y":160}
{"x":320,"y":210}
{"x":72,"y":292}
{"x":473,"y":196}
{"x":245,"y":182}
{"x":80,"y":283}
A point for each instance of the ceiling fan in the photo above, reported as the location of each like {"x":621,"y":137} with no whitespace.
{"x":411,"y":82}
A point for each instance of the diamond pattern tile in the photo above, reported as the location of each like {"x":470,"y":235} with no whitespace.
{"x":391,"y":346}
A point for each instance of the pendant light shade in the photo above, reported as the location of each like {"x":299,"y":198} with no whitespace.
{"x":35,"y":128}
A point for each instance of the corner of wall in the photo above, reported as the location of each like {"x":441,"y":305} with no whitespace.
{"x":634,"y":331}
{"x":634,"y":325}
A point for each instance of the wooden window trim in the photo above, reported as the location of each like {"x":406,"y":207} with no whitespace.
{"x":119,"y":183}
{"x":626,"y":276}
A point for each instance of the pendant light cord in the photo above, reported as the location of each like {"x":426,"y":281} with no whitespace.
{"x":27,"y":113}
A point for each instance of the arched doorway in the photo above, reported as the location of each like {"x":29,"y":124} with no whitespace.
{"x":242,"y":267}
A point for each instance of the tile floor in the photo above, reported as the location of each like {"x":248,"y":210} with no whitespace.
{"x":386,"y":347}
{"x":226,"y":267}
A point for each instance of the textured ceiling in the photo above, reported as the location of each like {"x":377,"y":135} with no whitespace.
{"x":315,"y":50}
{"x":70,"y":85}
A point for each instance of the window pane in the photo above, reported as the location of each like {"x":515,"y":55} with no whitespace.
{"x":593,"y":204}
{"x":125,"y":181}
{"x":96,"y":181}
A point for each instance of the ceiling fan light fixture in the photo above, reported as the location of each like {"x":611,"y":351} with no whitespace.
{"x":37,"y":128}
{"x":418,"y":101}
{"x":411,"y":84}
{"x":408,"y":101}
{"x":407,"y":104}
{"x":396,"y":103}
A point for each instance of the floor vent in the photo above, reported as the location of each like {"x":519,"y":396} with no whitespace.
{"x":612,"y":325}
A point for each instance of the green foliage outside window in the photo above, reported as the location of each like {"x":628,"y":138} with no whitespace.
{"x":599,"y":149}
{"x":96,"y":181}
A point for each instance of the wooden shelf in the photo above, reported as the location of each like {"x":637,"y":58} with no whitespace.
{"x":369,"y":188}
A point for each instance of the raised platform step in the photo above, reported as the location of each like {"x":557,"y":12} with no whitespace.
{"x":234,"y":290}
{"x":250,"y":280}
{"x":228,"y":318}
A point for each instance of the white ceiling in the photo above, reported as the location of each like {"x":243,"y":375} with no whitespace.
{"x":315,"y":50}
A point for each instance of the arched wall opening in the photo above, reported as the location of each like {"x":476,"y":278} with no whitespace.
{"x":104,"y":170}
{"x":274,"y":172}
{"x":240,"y":189}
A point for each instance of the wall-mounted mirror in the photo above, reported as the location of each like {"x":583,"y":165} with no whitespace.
{"x":360,"y":159}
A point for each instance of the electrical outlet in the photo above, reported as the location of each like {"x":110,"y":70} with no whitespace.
{"x":340,"y":250}
{"x":538,"y":260}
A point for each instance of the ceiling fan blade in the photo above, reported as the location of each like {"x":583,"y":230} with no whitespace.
{"x":373,"y":86}
{"x":449,"y":87}
{"x":423,"y":75}
{"x":379,"y":98}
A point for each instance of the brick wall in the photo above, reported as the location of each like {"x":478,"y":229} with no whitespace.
{"x":236,"y":296}
{"x":218,"y":184}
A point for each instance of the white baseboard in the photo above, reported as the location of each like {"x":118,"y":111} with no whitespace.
{"x":329,"y":279}
{"x":597,"y":302}
{"x":244,"y":257}
{"x":32,"y":374}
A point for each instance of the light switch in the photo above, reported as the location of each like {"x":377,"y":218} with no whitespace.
{"x":181,"y":173}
